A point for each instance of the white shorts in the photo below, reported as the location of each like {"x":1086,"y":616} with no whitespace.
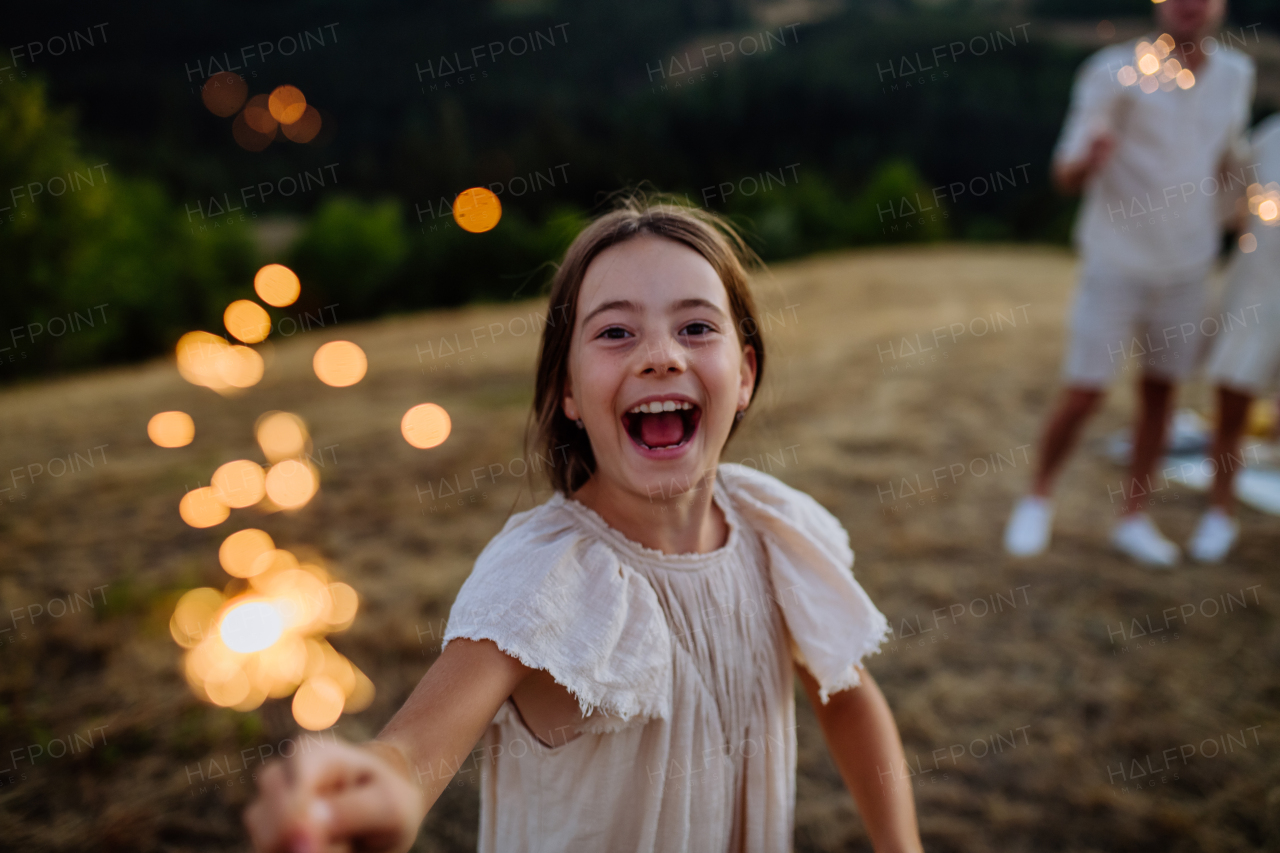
{"x":1127,"y":325}
{"x":1246,"y":353}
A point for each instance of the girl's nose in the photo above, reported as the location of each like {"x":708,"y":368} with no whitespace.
{"x":662,"y":356}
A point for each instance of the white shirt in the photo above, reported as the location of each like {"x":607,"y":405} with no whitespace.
{"x":682,"y":667}
{"x":1263,"y":264}
{"x":1154,"y":206}
{"x":1246,"y":346}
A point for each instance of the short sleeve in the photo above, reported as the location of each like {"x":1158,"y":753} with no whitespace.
{"x":1094,"y":97}
{"x":562,"y":602}
{"x":1240,"y":151}
{"x":832,"y":621}
{"x":1264,"y":149}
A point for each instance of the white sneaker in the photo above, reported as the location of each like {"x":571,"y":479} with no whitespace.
{"x":1138,"y":537}
{"x":1030,"y":524}
{"x":1214,"y":536}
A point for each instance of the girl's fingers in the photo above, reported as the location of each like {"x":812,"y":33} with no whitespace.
{"x":376,"y":814}
{"x":323,"y":800}
{"x":329,"y":769}
{"x":266,"y":817}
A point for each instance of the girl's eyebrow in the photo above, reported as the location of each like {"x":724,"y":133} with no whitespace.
{"x":628,"y":305}
{"x":624,"y":304}
{"x":698,"y":302}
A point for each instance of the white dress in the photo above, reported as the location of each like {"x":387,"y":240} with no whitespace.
{"x":681,"y":664}
{"x":1246,"y":352}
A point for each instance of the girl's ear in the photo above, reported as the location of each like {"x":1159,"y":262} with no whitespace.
{"x":567,"y":403}
{"x":747,"y":380}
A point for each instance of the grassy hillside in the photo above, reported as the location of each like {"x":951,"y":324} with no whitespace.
{"x":1020,"y":688}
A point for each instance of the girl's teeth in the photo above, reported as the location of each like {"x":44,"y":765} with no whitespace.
{"x":655,"y":406}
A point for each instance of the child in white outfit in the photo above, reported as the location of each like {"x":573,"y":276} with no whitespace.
{"x":625,"y":652}
{"x":1245,"y":360}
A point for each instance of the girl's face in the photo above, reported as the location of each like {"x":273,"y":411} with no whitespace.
{"x":656,"y":369}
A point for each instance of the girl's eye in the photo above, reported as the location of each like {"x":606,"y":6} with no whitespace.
{"x":698,"y":328}
{"x":614,"y":333}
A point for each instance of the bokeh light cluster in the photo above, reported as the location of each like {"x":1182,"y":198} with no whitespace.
{"x":260,"y":118}
{"x":267,"y":640}
{"x":1263,"y":201}
{"x":263,"y":636}
{"x":1153,"y":68}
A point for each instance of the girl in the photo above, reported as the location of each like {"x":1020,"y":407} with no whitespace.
{"x":625,"y":650}
{"x":1245,"y":360}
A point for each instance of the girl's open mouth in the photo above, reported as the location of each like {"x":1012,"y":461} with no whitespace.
{"x":662,"y":424}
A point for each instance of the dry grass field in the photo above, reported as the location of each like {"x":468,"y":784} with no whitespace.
{"x":1045,"y":705}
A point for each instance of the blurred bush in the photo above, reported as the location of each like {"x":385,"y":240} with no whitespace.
{"x":350,"y":251}
{"x":363,"y":257}
{"x":96,"y":266}
{"x":808,"y":214}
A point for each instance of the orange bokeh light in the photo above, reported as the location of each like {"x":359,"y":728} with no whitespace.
{"x":269,"y":564}
{"x":345,"y":603}
{"x":290,"y":484}
{"x":277,"y":285}
{"x":194,"y":616}
{"x":318,"y":703}
{"x":198,"y":354}
{"x":477,"y":210}
{"x":247,"y":321}
{"x":305,"y":128}
{"x":248,"y":138}
{"x":224,"y":93}
{"x":230,"y":692}
{"x":257,"y":115}
{"x":239,"y":484}
{"x":171,"y":429}
{"x":281,"y":435}
{"x":304,"y":599}
{"x":287,"y":104}
{"x":201,"y":508}
{"x":239,"y":552}
{"x":340,"y":363}
{"x":361,"y":695}
{"x":426,"y":425}
{"x":240,"y":367}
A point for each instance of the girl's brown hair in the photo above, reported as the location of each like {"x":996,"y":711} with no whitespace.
{"x":565,"y":448}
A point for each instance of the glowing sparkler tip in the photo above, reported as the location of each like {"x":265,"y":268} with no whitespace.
{"x":251,"y":626}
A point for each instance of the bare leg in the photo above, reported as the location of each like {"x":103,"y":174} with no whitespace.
{"x":1149,"y":434}
{"x":1233,"y":408}
{"x":1060,"y":434}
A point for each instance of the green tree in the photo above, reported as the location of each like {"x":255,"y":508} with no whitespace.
{"x":350,"y":251}
{"x":95,"y":265}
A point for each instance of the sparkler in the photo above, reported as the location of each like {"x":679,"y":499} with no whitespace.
{"x":1264,"y":203}
{"x":1153,"y":68}
{"x":265,"y":635}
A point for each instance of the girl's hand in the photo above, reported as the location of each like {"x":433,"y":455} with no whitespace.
{"x":337,"y":797}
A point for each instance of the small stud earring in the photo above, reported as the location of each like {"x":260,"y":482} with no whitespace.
{"x":579,"y":423}
{"x":739,"y":415}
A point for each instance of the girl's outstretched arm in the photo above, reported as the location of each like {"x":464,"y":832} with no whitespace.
{"x":864,"y":741}
{"x":373,"y":797}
